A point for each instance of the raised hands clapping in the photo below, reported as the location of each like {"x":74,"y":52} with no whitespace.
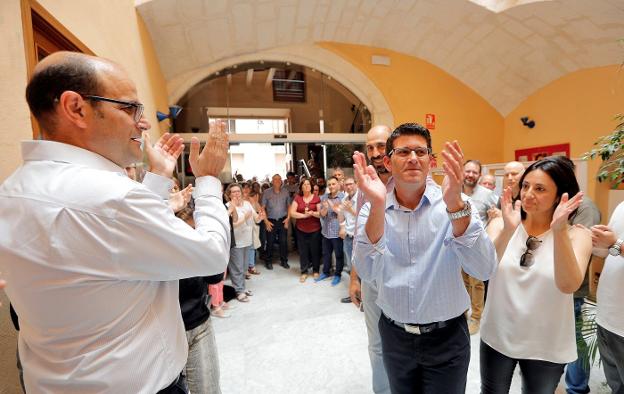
{"x":163,"y":155}
{"x":510,"y":211}
{"x":454,"y":176}
{"x":368,"y":180}
{"x":564,"y":209}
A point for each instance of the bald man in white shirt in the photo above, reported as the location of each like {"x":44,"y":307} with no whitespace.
{"x":93,"y":270}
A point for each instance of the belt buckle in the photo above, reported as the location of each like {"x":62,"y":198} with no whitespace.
{"x":412,"y":329}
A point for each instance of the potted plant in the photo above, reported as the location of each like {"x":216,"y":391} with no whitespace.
{"x":610,"y":149}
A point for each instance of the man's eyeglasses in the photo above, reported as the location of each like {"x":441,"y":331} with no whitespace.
{"x":527,"y":259}
{"x":134,"y":109}
{"x":405,"y":152}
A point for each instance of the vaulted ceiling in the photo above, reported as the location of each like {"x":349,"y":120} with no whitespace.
{"x":505,"y":49}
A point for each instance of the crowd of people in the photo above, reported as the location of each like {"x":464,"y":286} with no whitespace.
{"x":113,"y":282}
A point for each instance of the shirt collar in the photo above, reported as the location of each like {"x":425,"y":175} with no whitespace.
{"x":40,"y":150}
{"x":432,"y":193}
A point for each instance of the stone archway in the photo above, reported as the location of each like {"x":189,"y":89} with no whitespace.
{"x":312,"y":56}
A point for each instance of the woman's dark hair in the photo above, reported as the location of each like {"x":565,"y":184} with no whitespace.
{"x":408,"y":129}
{"x":304,"y":180}
{"x":561,"y":171}
{"x":186,"y":214}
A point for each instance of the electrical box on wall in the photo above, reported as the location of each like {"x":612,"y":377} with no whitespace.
{"x":380,"y":60}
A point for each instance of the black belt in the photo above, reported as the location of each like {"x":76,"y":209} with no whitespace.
{"x":419,"y":329}
{"x":280,"y":219}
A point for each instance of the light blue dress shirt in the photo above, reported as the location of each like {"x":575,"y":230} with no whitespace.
{"x":417,"y":263}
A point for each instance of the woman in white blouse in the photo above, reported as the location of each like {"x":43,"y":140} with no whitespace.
{"x":243,"y":252}
{"x":529,"y":315}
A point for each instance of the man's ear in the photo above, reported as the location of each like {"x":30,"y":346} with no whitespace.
{"x":73,"y":108}
{"x":387,"y":163}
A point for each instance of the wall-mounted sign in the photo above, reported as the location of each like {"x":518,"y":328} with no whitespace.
{"x":539,"y":152}
{"x":430,"y":121}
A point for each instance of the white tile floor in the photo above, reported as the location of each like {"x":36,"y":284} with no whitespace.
{"x":298,"y":338}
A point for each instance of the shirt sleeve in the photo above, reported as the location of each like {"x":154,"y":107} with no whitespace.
{"x":150,"y":243}
{"x":587,"y":215}
{"x":158,"y":184}
{"x":474,"y":250}
{"x":367,"y":256}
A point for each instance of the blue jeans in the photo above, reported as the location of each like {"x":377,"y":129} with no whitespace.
{"x":250,"y":257}
{"x":577,"y":377}
{"x":202,"y":365}
{"x":332,"y":245}
{"x":238,"y":266}
{"x":347,"y":245}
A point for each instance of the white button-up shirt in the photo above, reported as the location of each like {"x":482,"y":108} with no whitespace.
{"x":92,"y":260}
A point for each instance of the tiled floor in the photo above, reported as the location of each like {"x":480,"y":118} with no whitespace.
{"x":298,"y":338}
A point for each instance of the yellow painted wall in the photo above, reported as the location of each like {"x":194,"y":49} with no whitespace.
{"x":14,"y":115}
{"x":413,"y":88}
{"x":577,"y":109}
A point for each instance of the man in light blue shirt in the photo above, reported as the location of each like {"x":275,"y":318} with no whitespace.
{"x":413,"y":243}
{"x":275,"y":202}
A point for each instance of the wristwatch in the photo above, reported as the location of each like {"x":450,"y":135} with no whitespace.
{"x":467,"y":211}
{"x":616,"y":248}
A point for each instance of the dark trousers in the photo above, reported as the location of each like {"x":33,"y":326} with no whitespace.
{"x":309,"y":250}
{"x":177,"y":387}
{"x":611,"y":348}
{"x":538,"y":376}
{"x":280,"y":232}
{"x":431,"y":363}
{"x":577,"y":376}
{"x":332,"y":245}
{"x":263,"y":239}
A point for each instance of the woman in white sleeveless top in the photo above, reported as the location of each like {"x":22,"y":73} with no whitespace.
{"x":243,"y":251}
{"x":529,"y":315}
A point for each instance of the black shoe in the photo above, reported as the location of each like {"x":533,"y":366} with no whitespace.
{"x":285,"y":265}
{"x":269,"y":266}
{"x":346,"y":300}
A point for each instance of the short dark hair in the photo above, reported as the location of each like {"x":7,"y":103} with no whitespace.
{"x":290,"y":173}
{"x":334,"y":178}
{"x":476,"y":162}
{"x":560,"y":170}
{"x":408,"y":129}
{"x":75,"y":73}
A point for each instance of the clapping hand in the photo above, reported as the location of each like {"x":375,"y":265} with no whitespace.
{"x":493,"y":212}
{"x":163,"y":156}
{"x":212,"y":158}
{"x":565,"y":207}
{"x":179,"y":200}
{"x":602,"y":236}
{"x":368,"y":180}
{"x":454,"y":176}
{"x":510,"y":210}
